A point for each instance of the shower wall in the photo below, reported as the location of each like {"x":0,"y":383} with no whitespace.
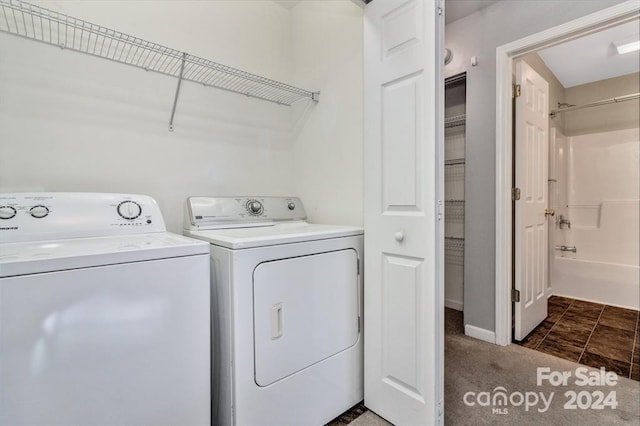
{"x":594,"y":161}
{"x":598,"y":192}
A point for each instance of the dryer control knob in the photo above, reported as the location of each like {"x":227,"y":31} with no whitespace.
{"x":254,"y":207}
{"x":39,"y":211}
{"x":7,"y":212}
{"x":291,"y":206}
{"x":129,"y":210}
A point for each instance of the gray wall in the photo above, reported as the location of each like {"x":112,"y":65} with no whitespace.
{"x":623,"y":115}
{"x":479,"y":35}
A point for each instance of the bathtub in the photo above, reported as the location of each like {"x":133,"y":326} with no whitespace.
{"x":595,"y":187}
{"x":610,"y":283}
{"x":605,"y":267}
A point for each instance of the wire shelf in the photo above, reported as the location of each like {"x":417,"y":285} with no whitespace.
{"x":454,"y":162}
{"x":44,"y":25}
{"x":454,"y":121}
{"x":454,"y":251}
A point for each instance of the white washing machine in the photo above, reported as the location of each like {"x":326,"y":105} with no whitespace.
{"x":287,"y":315}
{"x":104,"y":316}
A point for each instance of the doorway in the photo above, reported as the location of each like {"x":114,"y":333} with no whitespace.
{"x":504,"y":163}
{"x":590,"y":291}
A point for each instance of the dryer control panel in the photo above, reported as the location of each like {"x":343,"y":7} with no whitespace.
{"x":61,"y":215}
{"x":225,"y":212}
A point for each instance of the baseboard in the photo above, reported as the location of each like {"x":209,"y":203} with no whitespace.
{"x":480,"y":333}
{"x":454,"y":304}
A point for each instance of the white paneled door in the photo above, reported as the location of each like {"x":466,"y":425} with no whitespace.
{"x":532,"y":169}
{"x":403,"y":306}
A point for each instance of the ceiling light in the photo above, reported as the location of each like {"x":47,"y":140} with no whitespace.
{"x":627,"y":46}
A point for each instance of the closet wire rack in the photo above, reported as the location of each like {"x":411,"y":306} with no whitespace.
{"x":38,"y":23}
{"x":455,"y":121}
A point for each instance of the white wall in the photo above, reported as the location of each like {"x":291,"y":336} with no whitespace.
{"x":479,"y":35}
{"x":328,"y":137}
{"x":70,"y":122}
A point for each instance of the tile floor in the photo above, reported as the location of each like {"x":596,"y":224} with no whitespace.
{"x":591,"y":334}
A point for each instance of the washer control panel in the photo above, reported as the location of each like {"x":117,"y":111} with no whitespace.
{"x":59,"y":215}
{"x":254,"y":207}
{"x":129,"y":209}
{"x":39,"y":211}
{"x":221,"y":212}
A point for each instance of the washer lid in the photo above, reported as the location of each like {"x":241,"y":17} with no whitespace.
{"x":56,"y":255}
{"x":274,"y":234}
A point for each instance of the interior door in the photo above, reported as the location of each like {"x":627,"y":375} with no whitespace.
{"x":403,"y":288}
{"x":532,"y":168}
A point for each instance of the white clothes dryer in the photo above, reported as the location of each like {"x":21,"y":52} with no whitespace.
{"x":287,"y":311}
{"x":104,"y":316}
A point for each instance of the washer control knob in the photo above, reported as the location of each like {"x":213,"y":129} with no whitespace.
{"x":254,"y":207}
{"x":39,"y":211}
{"x":291,"y":205}
{"x":129,"y":210}
{"x":7,"y":212}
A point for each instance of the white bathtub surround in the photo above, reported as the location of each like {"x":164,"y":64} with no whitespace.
{"x":608,"y":283}
{"x":598,"y":192}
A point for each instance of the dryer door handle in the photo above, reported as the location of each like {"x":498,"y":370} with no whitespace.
{"x":276,"y":321}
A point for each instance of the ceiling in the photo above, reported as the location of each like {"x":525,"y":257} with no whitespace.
{"x":458,"y":9}
{"x":593,"y":57}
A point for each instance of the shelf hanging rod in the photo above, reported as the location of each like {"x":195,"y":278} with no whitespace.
{"x":615,"y":100}
{"x":175,"y":99}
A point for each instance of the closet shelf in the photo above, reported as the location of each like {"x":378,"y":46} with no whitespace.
{"x":456,"y":120}
{"x":38,"y":23}
{"x":454,"y":162}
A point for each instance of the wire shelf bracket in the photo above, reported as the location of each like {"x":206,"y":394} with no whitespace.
{"x":38,"y":23}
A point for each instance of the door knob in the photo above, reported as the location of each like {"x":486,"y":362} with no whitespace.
{"x":549,"y":212}
{"x":399,"y":236}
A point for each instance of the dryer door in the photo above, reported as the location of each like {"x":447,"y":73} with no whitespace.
{"x":305,"y":310}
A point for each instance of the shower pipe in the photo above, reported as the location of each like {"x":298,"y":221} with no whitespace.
{"x":630,"y":97}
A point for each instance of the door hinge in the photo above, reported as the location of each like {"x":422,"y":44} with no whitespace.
{"x":515,"y":194}
{"x":515,"y":91}
{"x":440,"y":8}
{"x":358,"y":324}
{"x":515,"y":295}
{"x":358,"y":266}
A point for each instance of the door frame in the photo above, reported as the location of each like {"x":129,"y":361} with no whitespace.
{"x":504,"y":152}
